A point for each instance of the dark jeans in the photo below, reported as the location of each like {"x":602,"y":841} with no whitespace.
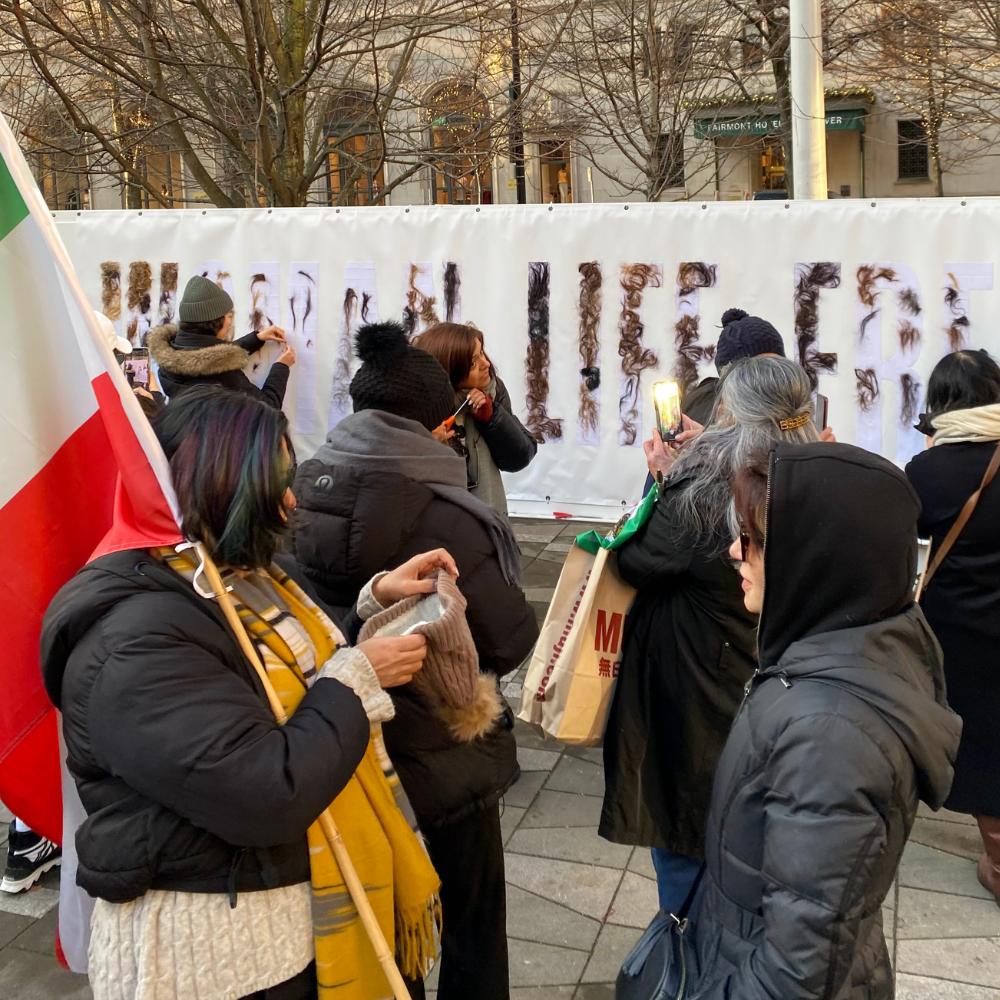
{"x":468,"y":857}
{"x":675,"y":874}
{"x":300,"y":987}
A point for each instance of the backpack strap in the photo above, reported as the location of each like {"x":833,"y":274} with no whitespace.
{"x":962,"y":520}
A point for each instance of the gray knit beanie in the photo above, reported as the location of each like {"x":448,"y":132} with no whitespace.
{"x":467,"y":701}
{"x":203,"y":301}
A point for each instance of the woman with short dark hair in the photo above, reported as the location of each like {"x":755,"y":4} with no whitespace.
{"x":962,"y":600}
{"x":198,"y":802}
{"x":492,"y":439}
{"x":201,"y":351}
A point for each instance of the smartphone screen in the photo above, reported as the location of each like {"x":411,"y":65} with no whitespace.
{"x":821,"y":411}
{"x":136,"y":368}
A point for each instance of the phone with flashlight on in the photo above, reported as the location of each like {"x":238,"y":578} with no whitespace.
{"x":667,"y":403}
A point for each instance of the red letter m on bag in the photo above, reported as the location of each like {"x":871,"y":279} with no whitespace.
{"x":609,"y":631}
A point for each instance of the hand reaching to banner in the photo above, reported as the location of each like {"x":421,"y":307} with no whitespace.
{"x":287,"y":356}
{"x":275,"y":333}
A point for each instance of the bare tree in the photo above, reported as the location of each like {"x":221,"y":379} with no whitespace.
{"x":257,"y":100}
{"x":627,"y":77}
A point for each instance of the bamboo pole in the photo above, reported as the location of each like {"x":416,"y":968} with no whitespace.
{"x":326,"y":821}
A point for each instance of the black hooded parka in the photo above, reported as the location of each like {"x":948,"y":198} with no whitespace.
{"x":845,"y":728}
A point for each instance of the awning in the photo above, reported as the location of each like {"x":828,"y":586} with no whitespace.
{"x":751,"y":125}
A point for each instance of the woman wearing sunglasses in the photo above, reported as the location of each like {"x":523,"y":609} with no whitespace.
{"x":491,"y":437}
{"x":844,"y":728}
{"x":689,"y":642}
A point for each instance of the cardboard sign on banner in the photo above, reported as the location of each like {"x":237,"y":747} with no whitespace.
{"x":583,"y":307}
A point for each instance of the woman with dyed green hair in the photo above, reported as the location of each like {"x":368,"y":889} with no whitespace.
{"x":198,"y":803}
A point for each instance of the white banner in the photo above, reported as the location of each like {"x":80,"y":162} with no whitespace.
{"x":583,"y":306}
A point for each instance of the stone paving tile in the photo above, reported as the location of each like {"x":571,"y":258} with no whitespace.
{"x":533,"y":964}
{"x":510,"y":817}
{"x":954,"y":838}
{"x":590,"y":991}
{"x":575,"y":775}
{"x":563,"y":809}
{"x":561,"y":547}
{"x":641,"y":863}
{"x":554,"y":556}
{"x":537,"y":760}
{"x":27,"y":976}
{"x":579,"y":844}
{"x":925,"y":868}
{"x":612,"y":947}
{"x":925,"y":811}
{"x":522,"y":793}
{"x":531,"y":737}
{"x":35,"y":903}
{"x":922,"y":988}
{"x":594,"y":754}
{"x":537,"y":532}
{"x":975,"y":961}
{"x":531,"y":917}
{"x":936,"y":915}
{"x":586,"y":889}
{"x":11,"y":925}
{"x":538,"y":595}
{"x":542,"y":993}
{"x":635,"y":903}
{"x":40,"y":937}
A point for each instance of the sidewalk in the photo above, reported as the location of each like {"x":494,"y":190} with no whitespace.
{"x":576,"y":903}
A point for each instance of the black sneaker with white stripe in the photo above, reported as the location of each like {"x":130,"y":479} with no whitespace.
{"x":29,"y":857}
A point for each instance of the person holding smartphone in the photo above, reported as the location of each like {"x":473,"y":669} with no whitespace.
{"x":201,"y":351}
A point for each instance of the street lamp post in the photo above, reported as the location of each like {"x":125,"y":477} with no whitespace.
{"x":516,"y":126}
{"x":805,"y":25}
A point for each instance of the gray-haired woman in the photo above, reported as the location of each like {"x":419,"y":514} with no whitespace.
{"x":689,"y":643}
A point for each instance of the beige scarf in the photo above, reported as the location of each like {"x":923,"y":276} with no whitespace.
{"x":981,"y":423}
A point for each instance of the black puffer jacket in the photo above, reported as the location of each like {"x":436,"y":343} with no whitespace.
{"x":688,"y":649}
{"x":187,"y":359}
{"x":844,"y":730}
{"x":349,"y":520}
{"x":188,"y":782}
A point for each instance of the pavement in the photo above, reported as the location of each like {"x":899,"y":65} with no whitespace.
{"x":576,"y":904}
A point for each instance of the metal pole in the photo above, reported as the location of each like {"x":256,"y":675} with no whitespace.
{"x":805,"y":23}
{"x":516,"y":128}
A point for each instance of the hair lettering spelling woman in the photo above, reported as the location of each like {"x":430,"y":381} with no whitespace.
{"x":198,"y":803}
{"x":492,"y":438}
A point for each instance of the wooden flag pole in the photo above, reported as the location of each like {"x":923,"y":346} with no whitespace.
{"x":326,"y":821}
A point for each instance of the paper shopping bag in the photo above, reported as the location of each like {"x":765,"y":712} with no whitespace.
{"x":571,"y":678}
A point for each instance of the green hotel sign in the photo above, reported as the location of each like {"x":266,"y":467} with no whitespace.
{"x":757,"y":125}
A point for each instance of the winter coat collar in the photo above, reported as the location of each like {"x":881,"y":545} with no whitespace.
{"x":215,"y":357}
{"x":895,"y":667}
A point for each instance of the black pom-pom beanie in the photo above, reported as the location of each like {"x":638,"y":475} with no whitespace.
{"x":398,"y":378}
{"x":745,"y":336}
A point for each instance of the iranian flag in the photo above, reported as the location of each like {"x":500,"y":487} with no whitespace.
{"x":81,"y":472}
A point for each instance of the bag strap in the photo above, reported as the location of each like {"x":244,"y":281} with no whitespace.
{"x":962,"y":520}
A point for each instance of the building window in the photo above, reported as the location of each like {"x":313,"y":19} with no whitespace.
{"x":355,"y":165}
{"x":752,"y":47}
{"x":62,"y":179}
{"x":914,"y":155}
{"x":461,"y":164}
{"x":670,"y":159}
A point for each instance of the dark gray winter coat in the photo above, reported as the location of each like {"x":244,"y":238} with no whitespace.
{"x":845,"y":728}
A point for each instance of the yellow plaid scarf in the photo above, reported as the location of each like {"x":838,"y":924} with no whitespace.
{"x":294,"y":638}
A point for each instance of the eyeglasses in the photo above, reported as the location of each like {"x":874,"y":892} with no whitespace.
{"x":745,"y":543}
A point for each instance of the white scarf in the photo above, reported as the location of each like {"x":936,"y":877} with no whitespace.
{"x":981,"y":423}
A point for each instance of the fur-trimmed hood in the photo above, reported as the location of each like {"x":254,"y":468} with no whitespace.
{"x":212,"y":359}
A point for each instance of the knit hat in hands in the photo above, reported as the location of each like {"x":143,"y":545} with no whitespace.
{"x":465,"y":699}
{"x":398,"y":378}
{"x":745,"y":336}
{"x":203,"y":301}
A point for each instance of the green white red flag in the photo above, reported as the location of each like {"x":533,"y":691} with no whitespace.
{"x":81,"y":474}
